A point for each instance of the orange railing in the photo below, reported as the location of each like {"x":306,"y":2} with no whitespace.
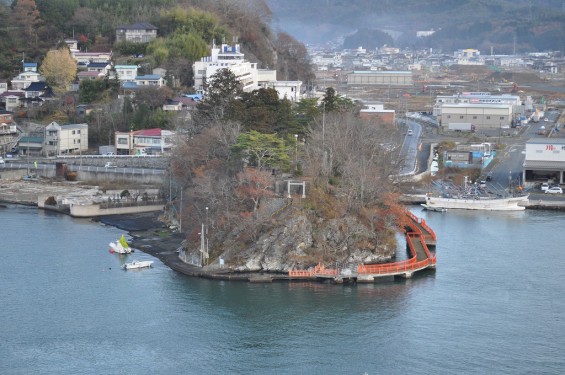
{"x":319,"y":270}
{"x":411,"y":264}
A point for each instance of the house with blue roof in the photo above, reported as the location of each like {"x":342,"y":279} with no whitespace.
{"x":100,"y":67}
{"x":30,"y":67}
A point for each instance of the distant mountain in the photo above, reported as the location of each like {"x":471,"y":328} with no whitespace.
{"x":504,"y":25}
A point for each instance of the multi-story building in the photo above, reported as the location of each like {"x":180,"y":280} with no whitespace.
{"x":143,"y":142}
{"x":142,"y":32}
{"x":226,"y":57}
{"x":126,"y":73}
{"x":65,"y":139}
{"x":25,"y":78}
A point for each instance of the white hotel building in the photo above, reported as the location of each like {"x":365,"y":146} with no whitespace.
{"x":250,"y":77}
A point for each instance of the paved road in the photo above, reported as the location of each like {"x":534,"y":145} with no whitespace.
{"x":409,"y":149}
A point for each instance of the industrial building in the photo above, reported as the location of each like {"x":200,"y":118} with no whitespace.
{"x":545,"y":160}
{"x":380,"y":78}
{"x":482,"y":116}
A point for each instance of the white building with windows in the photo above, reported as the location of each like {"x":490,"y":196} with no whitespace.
{"x":249,"y":76}
{"x":144,"y":142}
{"x":286,"y":89}
{"x":226,"y":57}
{"x":150,"y":80}
{"x":479,"y":98}
{"x":483,"y":116}
{"x":126,"y":73}
{"x":65,"y":139}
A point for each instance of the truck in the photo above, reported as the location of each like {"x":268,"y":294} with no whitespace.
{"x":461,"y":127}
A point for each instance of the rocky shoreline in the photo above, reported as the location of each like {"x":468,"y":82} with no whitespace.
{"x":151,"y":236}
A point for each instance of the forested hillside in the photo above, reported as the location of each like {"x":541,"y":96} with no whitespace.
{"x":186,"y":30}
{"x":502,"y":24}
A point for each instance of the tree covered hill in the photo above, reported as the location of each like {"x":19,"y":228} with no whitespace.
{"x":186,"y":30}
{"x":502,"y":24}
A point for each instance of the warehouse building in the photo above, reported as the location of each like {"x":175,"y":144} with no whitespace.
{"x":380,"y":78}
{"x":545,"y":160}
{"x":482,"y":116}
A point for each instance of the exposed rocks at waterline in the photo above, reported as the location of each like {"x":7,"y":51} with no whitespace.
{"x":296,"y":240}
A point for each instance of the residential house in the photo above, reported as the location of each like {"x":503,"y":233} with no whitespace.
{"x":85,"y":58}
{"x":150,"y":80}
{"x":172,"y":105}
{"x":3,"y":87}
{"x":6,"y":117}
{"x":143,"y":142}
{"x":65,"y":139}
{"x":23,"y":80}
{"x":286,"y":89}
{"x":142,"y":32}
{"x":101,"y":67}
{"x":12,"y":99}
{"x":38,"y":89}
{"x":72,"y":44}
{"x":30,"y":67}
{"x":31,"y":145}
{"x":36,"y":94}
{"x":89,"y":75}
{"x":126,"y":73}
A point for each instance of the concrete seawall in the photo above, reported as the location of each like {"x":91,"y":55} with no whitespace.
{"x":96,"y":210}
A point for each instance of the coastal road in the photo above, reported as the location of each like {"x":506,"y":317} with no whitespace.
{"x":88,"y":168}
{"x":409,"y":150}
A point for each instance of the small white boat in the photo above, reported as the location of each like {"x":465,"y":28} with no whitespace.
{"x":121,"y":246}
{"x":137,"y":264}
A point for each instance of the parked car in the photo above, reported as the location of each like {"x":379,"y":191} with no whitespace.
{"x":554,"y":190}
{"x":489,"y":177}
{"x":410,"y":132}
{"x":2,"y":161}
{"x":544,"y":186}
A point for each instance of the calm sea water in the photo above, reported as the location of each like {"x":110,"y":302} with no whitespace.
{"x":496,"y":304}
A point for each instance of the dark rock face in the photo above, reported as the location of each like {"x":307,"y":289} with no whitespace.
{"x":295,"y":241}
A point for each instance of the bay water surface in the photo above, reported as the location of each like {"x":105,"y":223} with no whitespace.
{"x":496,"y":304}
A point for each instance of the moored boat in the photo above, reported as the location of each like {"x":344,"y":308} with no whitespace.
{"x":121,"y":246}
{"x":137,"y":264}
{"x":478,"y":203}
